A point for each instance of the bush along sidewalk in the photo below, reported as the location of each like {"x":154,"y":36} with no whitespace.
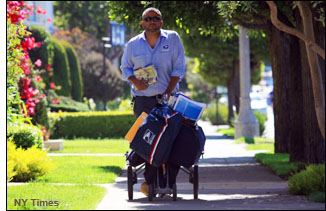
{"x":302,"y":179}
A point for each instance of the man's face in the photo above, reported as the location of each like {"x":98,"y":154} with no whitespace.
{"x":152,"y":22}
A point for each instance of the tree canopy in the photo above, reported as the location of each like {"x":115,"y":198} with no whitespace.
{"x":89,"y":16}
{"x":205,"y":34}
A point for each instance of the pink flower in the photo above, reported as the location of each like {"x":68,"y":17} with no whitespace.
{"x":48,"y":67}
{"x":49,"y":20}
{"x":39,"y":10}
{"x":52,"y":85}
{"x":37,"y":45}
{"x":38,"y":77}
{"x":31,"y":111}
{"x":35,"y":92}
{"x":29,"y":7}
{"x":26,"y":69}
{"x":38,"y":63}
{"x":55,"y":101}
{"x":26,"y":82}
{"x":42,"y":96}
{"x":37,"y":100}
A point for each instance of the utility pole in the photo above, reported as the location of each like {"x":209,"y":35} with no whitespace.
{"x":104,"y":73}
{"x":246,"y":124}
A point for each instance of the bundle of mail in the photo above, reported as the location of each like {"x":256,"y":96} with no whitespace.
{"x":147,"y":73}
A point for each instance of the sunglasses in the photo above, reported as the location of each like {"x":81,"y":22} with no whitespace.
{"x":155,"y":19}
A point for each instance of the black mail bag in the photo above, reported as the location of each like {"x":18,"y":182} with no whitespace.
{"x":155,"y":136}
{"x":188,"y":145}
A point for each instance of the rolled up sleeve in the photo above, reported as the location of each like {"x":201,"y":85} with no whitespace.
{"x":179,"y":66}
{"x":126,"y":64}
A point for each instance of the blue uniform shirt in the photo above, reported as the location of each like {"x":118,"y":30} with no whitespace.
{"x":167,"y":57}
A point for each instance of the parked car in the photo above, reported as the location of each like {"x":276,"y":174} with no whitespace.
{"x":258,"y":103}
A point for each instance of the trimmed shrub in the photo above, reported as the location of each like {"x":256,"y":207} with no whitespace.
{"x":43,"y":53}
{"x":65,"y":104}
{"x":28,"y":164}
{"x":94,"y":80}
{"x":41,"y":114}
{"x":75,"y":72}
{"x":91,"y":124}
{"x":261,"y":121}
{"x":61,"y":70}
{"x":308,"y":181}
{"x":210,"y":114}
{"x":11,"y":148}
{"x":25,"y":135}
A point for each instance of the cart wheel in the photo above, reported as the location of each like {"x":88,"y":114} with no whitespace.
{"x":174,"y":192}
{"x":130,"y":183}
{"x":191,"y":175}
{"x":150,"y":192}
{"x":195,"y":181}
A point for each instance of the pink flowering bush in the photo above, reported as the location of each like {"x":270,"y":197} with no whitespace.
{"x":25,"y":88}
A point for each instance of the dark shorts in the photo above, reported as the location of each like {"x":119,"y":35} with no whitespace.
{"x":143,"y":104}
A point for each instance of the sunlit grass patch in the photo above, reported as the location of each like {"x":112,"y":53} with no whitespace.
{"x":94,"y":146}
{"x":47,"y":196}
{"x":85,"y":169}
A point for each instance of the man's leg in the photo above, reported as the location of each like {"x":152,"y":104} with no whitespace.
{"x":143,"y":104}
{"x":146,"y":104}
{"x":172,"y":173}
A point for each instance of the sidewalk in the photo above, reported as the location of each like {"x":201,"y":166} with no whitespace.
{"x":229,"y":178}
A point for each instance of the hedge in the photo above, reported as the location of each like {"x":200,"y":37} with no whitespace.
{"x":107,"y":124}
{"x":43,"y":53}
{"x":75,"y":72}
{"x":61,"y":70}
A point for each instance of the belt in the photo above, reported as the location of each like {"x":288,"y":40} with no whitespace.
{"x":155,"y":96}
{"x":158,"y":97}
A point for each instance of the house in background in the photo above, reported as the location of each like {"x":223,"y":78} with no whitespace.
{"x":42,"y":20}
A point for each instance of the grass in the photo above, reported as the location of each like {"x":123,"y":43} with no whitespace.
{"x":80,"y":171}
{"x":257,"y":143}
{"x":77,"y":197}
{"x":84,"y":170}
{"x":227,"y":132}
{"x":280,"y":164}
{"x":94,"y":146}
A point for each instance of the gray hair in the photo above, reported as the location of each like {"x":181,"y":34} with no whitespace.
{"x":152,"y":9}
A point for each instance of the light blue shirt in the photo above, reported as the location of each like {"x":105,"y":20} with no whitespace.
{"x":167,"y":57}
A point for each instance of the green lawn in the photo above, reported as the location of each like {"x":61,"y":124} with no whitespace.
{"x":81,"y":171}
{"x":227,"y":132}
{"x":257,"y":143}
{"x":77,"y":197}
{"x":94,"y":146}
{"x":84,"y":169}
{"x":279,"y":163}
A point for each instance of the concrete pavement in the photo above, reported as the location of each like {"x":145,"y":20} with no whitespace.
{"x":229,"y":179}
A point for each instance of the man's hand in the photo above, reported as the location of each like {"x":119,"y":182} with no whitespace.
{"x":139,"y":84}
{"x":173,"y":82}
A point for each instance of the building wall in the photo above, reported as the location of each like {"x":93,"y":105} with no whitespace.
{"x":41,"y":19}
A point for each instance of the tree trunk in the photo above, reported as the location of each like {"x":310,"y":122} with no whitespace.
{"x":233,"y":91}
{"x":296,"y":108}
{"x":279,"y":45}
{"x":312,"y":49}
{"x":236,"y":64}
{"x":314,"y":145}
{"x":231,"y":96}
{"x":317,"y":84}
